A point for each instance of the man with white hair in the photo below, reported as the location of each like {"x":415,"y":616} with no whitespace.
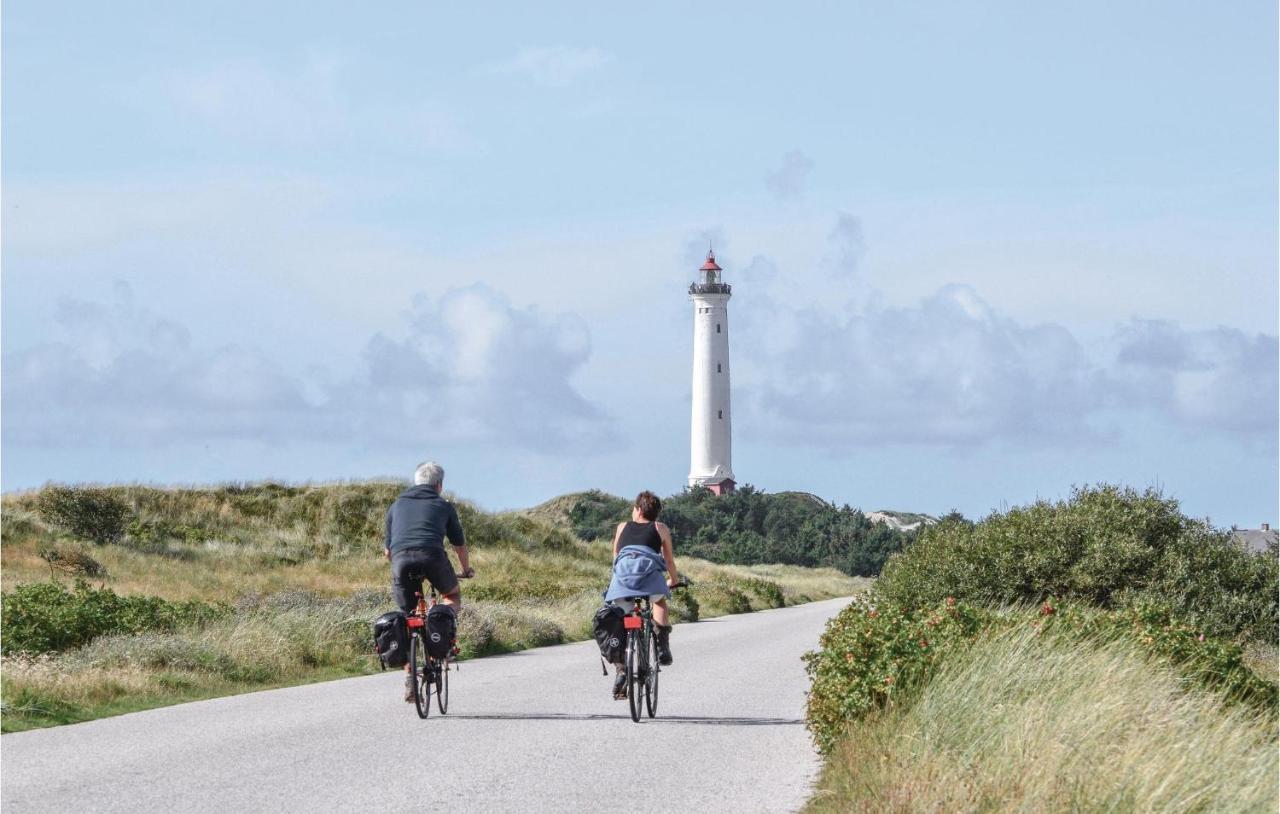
{"x":418,"y":523}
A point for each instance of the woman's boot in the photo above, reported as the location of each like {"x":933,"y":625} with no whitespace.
{"x":620,"y":682}
{"x":664,"y":645}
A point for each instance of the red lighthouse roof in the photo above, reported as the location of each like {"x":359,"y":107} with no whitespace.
{"x":710,"y":265}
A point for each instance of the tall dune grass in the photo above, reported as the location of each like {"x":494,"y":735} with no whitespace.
{"x":1047,"y":724}
{"x":303,"y":568}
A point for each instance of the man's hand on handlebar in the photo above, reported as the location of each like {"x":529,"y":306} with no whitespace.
{"x":467,"y":573}
{"x":676,"y":583}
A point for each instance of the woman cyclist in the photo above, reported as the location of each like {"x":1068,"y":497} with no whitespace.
{"x":641,"y":552}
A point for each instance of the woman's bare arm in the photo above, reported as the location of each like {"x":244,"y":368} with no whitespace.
{"x":617,"y":535}
{"x":668,"y":554}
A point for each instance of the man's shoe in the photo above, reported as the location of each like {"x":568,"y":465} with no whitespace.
{"x":408,"y":689}
{"x":664,"y":645}
{"x":620,"y":684}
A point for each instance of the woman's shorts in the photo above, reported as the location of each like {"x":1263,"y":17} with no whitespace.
{"x":409,"y":568}
{"x":627,"y":604}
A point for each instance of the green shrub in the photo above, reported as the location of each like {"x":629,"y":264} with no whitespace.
{"x":1107,"y":546}
{"x":152,"y":535}
{"x":595,"y":515}
{"x":253,"y":505}
{"x":767,"y":591}
{"x":872,"y":654}
{"x":90,"y":514}
{"x":42,"y":617}
{"x":723,"y":596}
{"x":683,"y":605}
{"x":876,"y":652}
{"x":359,"y":517}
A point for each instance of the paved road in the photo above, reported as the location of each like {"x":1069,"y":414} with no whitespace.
{"x":528,"y":732}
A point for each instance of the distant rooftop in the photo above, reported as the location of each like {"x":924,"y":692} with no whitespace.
{"x":1257,"y":540}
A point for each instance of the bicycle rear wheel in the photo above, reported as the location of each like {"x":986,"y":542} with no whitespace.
{"x":651,"y":676}
{"x":421,"y":674}
{"x":442,"y":685}
{"x":635,"y":668}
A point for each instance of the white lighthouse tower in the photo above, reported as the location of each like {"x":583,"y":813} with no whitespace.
{"x":710,"y":450}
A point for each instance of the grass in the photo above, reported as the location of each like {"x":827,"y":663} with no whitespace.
{"x":302,"y":567}
{"x":1029,"y":723}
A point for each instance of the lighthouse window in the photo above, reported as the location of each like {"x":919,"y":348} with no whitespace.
{"x":717,"y":367}
{"x":717,"y":327}
{"x":719,"y":413}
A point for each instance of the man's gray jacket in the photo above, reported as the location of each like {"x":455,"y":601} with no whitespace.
{"x":420,"y":520}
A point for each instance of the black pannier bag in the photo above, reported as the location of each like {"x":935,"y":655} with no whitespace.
{"x":442,"y":629}
{"x":609,"y":634}
{"x":391,"y":639}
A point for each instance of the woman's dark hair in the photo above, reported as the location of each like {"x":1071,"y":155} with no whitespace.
{"x":648,"y":504}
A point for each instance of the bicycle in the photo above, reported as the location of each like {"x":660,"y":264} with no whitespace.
{"x":424,"y":670}
{"x":642,"y":665}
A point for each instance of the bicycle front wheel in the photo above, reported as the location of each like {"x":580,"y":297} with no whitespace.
{"x":442,"y":685}
{"x":651,"y":674}
{"x":635,"y":669}
{"x":420,"y":672}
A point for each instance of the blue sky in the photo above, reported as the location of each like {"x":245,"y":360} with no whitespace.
{"x":981,"y":252}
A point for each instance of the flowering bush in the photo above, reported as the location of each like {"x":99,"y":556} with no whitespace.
{"x":872,"y":654}
{"x":876,"y":653}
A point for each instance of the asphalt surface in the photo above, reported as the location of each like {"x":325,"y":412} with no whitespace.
{"x":529,"y":732}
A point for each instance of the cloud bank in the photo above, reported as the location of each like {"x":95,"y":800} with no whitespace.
{"x":475,"y":368}
{"x":471,"y":368}
{"x":953,"y":371}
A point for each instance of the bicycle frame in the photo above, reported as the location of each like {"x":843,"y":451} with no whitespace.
{"x":435,"y":670}
{"x":642,"y":671}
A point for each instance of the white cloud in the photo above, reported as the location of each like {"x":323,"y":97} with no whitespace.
{"x":122,"y":375}
{"x":953,"y":370}
{"x":948,"y":371}
{"x":472,"y":368}
{"x":1220,"y":379}
{"x":555,"y":66}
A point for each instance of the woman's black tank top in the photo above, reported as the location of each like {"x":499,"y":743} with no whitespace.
{"x":645,"y":534}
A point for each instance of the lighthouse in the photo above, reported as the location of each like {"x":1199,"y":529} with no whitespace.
{"x":711,"y":435}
